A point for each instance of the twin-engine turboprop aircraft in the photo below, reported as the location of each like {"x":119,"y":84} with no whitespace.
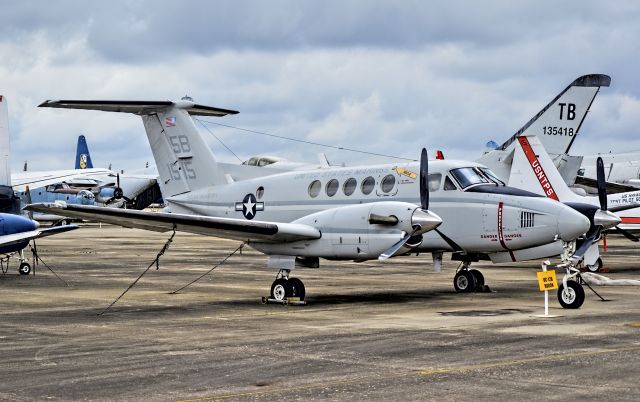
{"x":346,"y":213}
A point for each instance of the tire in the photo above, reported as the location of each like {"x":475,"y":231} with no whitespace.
{"x":24,"y":269}
{"x":297,"y":288}
{"x":281,"y":289}
{"x":464,"y":282}
{"x":573,"y":297}
{"x":595,"y":267}
{"x":479,"y":278}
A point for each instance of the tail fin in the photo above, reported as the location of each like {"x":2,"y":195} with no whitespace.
{"x":184,"y":160}
{"x":5,"y":149}
{"x":83,"y":158}
{"x":533,"y":170}
{"x":558,"y":123}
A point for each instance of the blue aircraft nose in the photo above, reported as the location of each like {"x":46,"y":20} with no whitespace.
{"x":11,"y":224}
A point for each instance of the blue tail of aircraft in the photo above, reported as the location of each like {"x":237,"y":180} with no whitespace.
{"x":83,"y":158}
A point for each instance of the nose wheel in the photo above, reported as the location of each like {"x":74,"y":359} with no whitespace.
{"x":285,"y":287}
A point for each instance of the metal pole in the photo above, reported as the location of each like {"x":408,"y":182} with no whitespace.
{"x":546,"y":292}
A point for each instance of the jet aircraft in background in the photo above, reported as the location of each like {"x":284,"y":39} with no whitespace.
{"x":337,"y":213}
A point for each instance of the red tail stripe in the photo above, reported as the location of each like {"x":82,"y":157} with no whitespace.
{"x":537,"y":168}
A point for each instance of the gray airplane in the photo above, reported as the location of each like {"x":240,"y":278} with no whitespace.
{"x":337,"y":213}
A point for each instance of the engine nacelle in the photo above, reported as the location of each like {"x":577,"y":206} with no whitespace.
{"x":86,"y":197}
{"x":355,"y":232}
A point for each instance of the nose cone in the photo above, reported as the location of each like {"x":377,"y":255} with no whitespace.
{"x":426,"y":219}
{"x":572,"y":224}
{"x":606,"y":219}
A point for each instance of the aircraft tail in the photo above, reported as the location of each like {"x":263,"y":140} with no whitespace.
{"x":5,"y":149}
{"x":533,"y":170}
{"x":184,"y":160}
{"x":558,"y":123}
{"x":83,"y":157}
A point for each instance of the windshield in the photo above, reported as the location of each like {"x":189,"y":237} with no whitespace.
{"x":492,"y":176}
{"x":468,"y":176}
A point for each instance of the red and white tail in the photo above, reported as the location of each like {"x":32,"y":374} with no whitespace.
{"x":533,"y":170}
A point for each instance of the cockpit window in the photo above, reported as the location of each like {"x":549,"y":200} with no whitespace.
{"x":448,"y":184}
{"x":492,"y":176}
{"x":433,"y":182}
{"x":468,"y":176}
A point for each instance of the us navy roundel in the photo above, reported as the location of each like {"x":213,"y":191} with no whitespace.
{"x":249,"y":206}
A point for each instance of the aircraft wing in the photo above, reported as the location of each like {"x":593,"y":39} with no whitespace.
{"x":229,"y":228}
{"x":612,"y":188}
{"x":8,"y":240}
{"x":20,"y":180}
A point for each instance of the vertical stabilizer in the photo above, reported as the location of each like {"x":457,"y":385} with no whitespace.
{"x":533,"y":170}
{"x":5,"y":149}
{"x":83,"y":158}
{"x":558,"y":123}
{"x":184,"y":160}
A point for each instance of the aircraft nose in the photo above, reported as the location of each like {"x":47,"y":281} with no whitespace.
{"x":572,"y":224}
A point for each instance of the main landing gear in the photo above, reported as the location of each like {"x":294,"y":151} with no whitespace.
{"x":286,"y":287}
{"x":468,"y":280}
{"x":24,"y":268}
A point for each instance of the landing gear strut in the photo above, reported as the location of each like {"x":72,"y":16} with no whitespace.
{"x":285,"y":287}
{"x":570,"y":291}
{"x":468,"y":280}
{"x":24,"y":268}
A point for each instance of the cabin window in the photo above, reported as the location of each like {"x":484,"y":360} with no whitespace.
{"x":314,"y":188}
{"x":349,"y":186}
{"x":387,"y":183}
{"x":468,"y":176}
{"x":433,"y":182}
{"x":332,"y":187}
{"x":448,"y":184}
{"x":259,"y":192}
{"x":367,"y":185}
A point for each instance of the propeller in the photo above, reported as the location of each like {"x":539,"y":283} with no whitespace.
{"x":422,"y":219}
{"x":118,"y":193}
{"x":28,"y":199}
{"x":603,"y":219}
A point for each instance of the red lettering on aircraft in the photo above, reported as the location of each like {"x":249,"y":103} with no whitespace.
{"x":537,"y":168}
{"x":500,"y":235}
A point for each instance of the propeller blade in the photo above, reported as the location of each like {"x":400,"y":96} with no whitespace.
{"x":424,"y":174}
{"x":602,"y":184}
{"x":391,"y":251}
{"x":28,"y":199}
{"x":626,"y":234}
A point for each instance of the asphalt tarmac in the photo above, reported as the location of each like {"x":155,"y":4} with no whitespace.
{"x":392,"y":331}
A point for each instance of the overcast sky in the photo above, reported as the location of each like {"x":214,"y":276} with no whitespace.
{"x":386,"y":76}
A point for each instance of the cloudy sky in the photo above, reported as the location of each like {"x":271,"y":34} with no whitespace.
{"x":381,"y":76}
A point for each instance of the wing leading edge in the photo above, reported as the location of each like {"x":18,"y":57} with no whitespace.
{"x":229,"y":228}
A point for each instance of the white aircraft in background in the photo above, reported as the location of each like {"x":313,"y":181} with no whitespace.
{"x":556,"y":126}
{"x":336,"y":213}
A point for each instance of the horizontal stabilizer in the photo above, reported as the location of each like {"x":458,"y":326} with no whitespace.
{"x":137,"y":107}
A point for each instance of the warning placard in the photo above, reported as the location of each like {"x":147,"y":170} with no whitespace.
{"x":547,"y":280}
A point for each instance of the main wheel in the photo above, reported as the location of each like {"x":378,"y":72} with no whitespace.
{"x":281,"y":289}
{"x":464,"y":281}
{"x":24,"y":269}
{"x":477,"y":275}
{"x":572,"y":296}
{"x":595,"y":267}
{"x":297,"y":288}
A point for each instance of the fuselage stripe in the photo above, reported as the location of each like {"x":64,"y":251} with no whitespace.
{"x":500,"y":236}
